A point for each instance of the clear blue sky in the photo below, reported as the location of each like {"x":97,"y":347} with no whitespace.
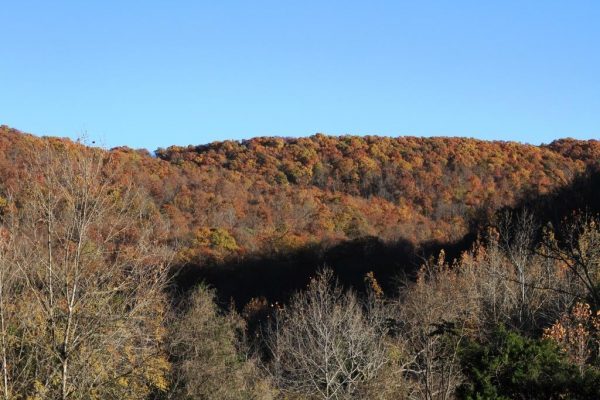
{"x":155,"y":73}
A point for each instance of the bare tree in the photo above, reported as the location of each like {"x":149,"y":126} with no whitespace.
{"x":577,"y":249}
{"x":90,"y":271}
{"x":517,"y":285}
{"x":435,"y":315}
{"x":517,"y":239}
{"x":9,"y":290}
{"x":325,"y":345}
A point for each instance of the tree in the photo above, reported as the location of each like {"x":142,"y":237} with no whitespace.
{"x":434,"y":315}
{"x":86,"y":318}
{"x":517,"y":238}
{"x":9,"y":290}
{"x":510,"y":366}
{"x":577,"y":247}
{"x":578,"y":334}
{"x":324,"y":345}
{"x":210,"y":359}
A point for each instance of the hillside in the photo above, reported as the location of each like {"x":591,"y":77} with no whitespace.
{"x":271,"y":195}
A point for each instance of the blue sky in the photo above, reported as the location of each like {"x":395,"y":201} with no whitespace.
{"x":155,"y":73}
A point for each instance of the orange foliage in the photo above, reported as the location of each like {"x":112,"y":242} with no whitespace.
{"x":269,"y":194}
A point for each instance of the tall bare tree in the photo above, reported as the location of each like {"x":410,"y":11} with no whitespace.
{"x":517,"y":240}
{"x":325,"y":345}
{"x":90,"y":268}
{"x":9,"y":290}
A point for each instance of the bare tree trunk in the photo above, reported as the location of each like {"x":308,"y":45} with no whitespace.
{"x":3,"y":333}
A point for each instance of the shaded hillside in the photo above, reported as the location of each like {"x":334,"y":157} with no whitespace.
{"x":277,"y":276}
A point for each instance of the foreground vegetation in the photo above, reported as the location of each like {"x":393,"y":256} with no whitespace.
{"x":92,"y":304}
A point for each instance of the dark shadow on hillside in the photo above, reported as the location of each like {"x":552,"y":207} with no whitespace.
{"x":583,"y":194}
{"x":277,"y":276}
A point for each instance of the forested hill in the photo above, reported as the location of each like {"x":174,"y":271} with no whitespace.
{"x":430,"y":187}
{"x":226,"y":200}
{"x":439,"y":177}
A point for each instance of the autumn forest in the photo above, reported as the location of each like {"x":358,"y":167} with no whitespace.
{"x":323,"y":267}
